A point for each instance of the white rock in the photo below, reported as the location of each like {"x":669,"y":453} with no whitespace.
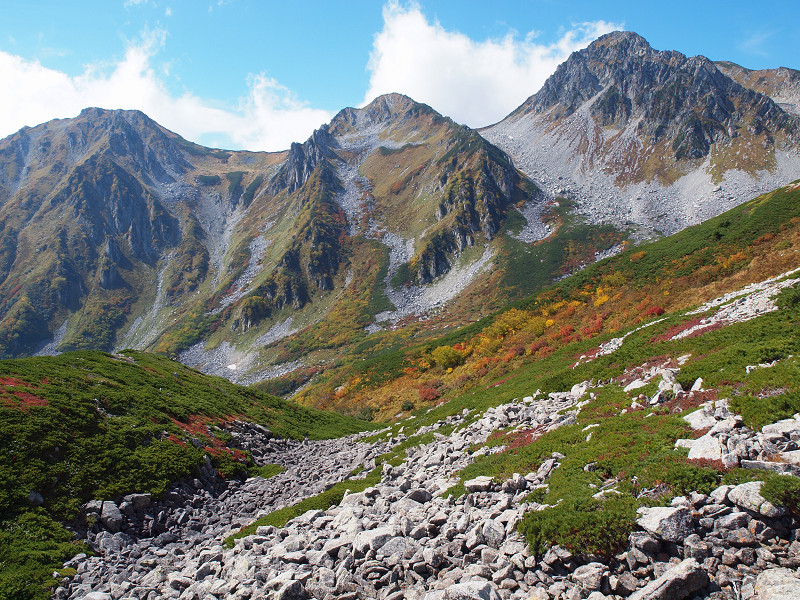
{"x":479,"y":484}
{"x":700,"y":420}
{"x":635,"y":385}
{"x":473,"y":590}
{"x":748,"y":496}
{"x":707,"y":447}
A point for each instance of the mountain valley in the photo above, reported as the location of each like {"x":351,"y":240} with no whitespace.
{"x":555,"y":358}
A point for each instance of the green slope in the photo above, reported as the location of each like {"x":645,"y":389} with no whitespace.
{"x":87,"y":425}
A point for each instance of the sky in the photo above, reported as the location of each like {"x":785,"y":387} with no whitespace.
{"x":260,"y":74}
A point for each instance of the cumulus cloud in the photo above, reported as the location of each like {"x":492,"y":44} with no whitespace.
{"x":268,"y":117}
{"x":474,"y":82}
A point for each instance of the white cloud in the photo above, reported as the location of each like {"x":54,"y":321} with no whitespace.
{"x":474,"y":82}
{"x":269,"y":117}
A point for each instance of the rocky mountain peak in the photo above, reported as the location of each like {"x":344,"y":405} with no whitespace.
{"x":302,"y":160}
{"x":384,"y":110}
{"x":623,"y":42}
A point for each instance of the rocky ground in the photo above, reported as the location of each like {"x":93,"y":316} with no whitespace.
{"x":403,"y":538}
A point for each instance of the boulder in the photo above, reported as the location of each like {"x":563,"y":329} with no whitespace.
{"x":479,"y":484}
{"x":777,"y":584}
{"x":590,"y":577}
{"x":111,"y":516}
{"x":35,"y":498}
{"x":473,"y":590}
{"x":785,"y":427}
{"x":683,"y":580}
{"x":671,"y":524}
{"x":748,"y":496}
{"x":707,"y":446}
{"x":292,"y":590}
{"x":372,"y":539}
{"x":700,"y":420}
{"x":635,"y":385}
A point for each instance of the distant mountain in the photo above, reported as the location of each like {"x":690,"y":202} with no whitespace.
{"x":391,"y":220}
{"x":115,"y":232}
{"x":105,"y":216}
{"x":781,"y":84}
{"x":654,"y":139}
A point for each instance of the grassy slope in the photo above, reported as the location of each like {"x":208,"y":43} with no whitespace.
{"x":537,"y":344}
{"x":749,"y":243}
{"x":89,"y":425}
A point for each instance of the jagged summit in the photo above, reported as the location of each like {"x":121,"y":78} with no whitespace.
{"x":781,"y":84}
{"x":384,"y":110}
{"x":619,"y":122}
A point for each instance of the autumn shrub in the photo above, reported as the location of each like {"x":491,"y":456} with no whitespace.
{"x":447,"y":357}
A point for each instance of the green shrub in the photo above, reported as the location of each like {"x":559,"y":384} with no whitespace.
{"x":32,"y":546}
{"x":783,"y":490}
{"x":408,"y":405}
{"x":265,"y":471}
{"x":684,"y":478}
{"x":584,"y":526}
{"x":366,"y":413}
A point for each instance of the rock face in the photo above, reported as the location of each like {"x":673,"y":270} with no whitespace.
{"x":630,"y":132}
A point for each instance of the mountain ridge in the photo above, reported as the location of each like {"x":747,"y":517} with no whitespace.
{"x":248,"y":264}
{"x":633,"y":133}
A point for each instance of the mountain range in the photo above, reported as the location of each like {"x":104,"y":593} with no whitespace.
{"x":117,"y":233}
{"x":531,"y":398}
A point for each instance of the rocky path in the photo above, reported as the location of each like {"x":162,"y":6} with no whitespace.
{"x":404,"y":538}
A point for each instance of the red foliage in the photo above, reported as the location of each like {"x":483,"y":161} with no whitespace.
{"x":681,"y":327}
{"x":566,"y":331}
{"x":19,"y":399}
{"x":428,"y":394}
{"x":538,"y":345}
{"x":175,"y":439}
{"x":654,"y":311}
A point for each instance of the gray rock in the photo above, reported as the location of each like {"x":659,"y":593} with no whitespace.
{"x":681,"y":581}
{"x":671,"y":524}
{"x":372,"y":539}
{"x":700,"y":420}
{"x":777,"y":584}
{"x":479,"y":484}
{"x":785,"y":427}
{"x":472,"y":590}
{"x":111,"y":516}
{"x":590,"y":577}
{"x":706,"y":447}
{"x":35,"y":498}
{"x":748,"y":496}
{"x":293,"y":590}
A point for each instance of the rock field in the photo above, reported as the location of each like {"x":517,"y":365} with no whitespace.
{"x":403,"y":538}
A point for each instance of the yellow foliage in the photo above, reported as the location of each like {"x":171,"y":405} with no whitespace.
{"x":637,"y":256}
{"x":601,"y":297}
{"x":549,"y":323}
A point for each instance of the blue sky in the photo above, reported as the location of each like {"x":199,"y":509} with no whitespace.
{"x":260,"y":74}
